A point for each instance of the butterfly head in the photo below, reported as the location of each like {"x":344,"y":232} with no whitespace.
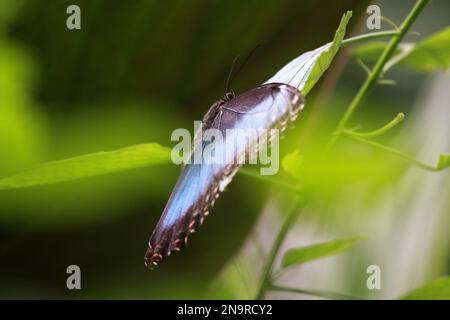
{"x":228,"y":96}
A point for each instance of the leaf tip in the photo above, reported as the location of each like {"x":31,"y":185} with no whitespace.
{"x":443,"y":161}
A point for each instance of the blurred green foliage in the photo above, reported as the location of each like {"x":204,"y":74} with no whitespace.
{"x":88,"y":165}
{"x":134,"y":72}
{"x":438,"y":289}
{"x":428,"y":55}
{"x":297,"y":256}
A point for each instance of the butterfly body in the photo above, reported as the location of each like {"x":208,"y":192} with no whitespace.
{"x":269,"y":106}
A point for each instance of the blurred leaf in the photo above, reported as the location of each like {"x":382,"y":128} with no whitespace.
{"x":430,"y":54}
{"x":444,"y":161}
{"x":89,"y":165}
{"x":232,"y":283}
{"x":304,"y":71}
{"x":327,"y":176}
{"x":107,"y":197}
{"x":318,"y":251}
{"x":292,"y":163}
{"x":313,"y":292}
{"x":124,"y":122}
{"x":8,"y":11}
{"x":435,"y":290}
{"x":23,"y":131}
{"x":370,"y":52}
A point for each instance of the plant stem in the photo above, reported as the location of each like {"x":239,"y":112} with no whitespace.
{"x":318,"y":293}
{"x":372,"y":78}
{"x":399,"y":118}
{"x":369,"y":36}
{"x":292,"y":216}
{"x":370,"y":81}
{"x":396,"y":152}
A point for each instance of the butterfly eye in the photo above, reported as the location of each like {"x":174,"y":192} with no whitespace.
{"x":229,"y":96}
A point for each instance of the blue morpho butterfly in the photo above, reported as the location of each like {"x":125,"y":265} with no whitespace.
{"x":269,"y":106}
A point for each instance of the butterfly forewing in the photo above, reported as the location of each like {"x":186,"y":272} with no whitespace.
{"x":270,"y":106}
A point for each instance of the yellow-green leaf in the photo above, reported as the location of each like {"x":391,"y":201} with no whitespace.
{"x":327,"y":56}
{"x":370,"y":52}
{"x":435,"y":290}
{"x":444,"y":161}
{"x":304,"y":71}
{"x":430,"y":54}
{"x":317,"y":251}
{"x":89,"y":165}
{"x":292,"y":164}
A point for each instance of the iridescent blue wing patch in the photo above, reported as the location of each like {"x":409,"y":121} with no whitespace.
{"x":269,"y":106}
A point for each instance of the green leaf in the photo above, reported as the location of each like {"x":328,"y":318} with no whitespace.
{"x":318,"y":251}
{"x":435,"y":290}
{"x":89,"y":165}
{"x":304,"y":71}
{"x":430,"y":54}
{"x":23,"y":129}
{"x":327,"y":55}
{"x":292,"y":163}
{"x":369,"y":52}
{"x":443,"y":162}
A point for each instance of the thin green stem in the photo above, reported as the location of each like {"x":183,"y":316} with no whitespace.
{"x":390,"y":22}
{"x":292,"y":216}
{"x":399,"y":118}
{"x":317,"y":293}
{"x":369,"y":36}
{"x":363,"y":66}
{"x":372,"y":79}
{"x":396,"y":152}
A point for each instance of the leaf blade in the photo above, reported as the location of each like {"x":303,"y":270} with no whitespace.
{"x":89,"y":165}
{"x":430,"y":54}
{"x":306,"y":254}
{"x":438,"y":289}
{"x":443,"y":161}
{"x":292,"y":163}
{"x":304,"y":71}
{"x":327,"y":56}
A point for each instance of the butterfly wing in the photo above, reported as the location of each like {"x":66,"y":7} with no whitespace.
{"x":269,"y":106}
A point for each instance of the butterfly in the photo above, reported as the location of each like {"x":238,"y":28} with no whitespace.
{"x":269,"y":106}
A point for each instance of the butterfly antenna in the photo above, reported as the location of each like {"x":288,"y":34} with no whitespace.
{"x":232,"y":74}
